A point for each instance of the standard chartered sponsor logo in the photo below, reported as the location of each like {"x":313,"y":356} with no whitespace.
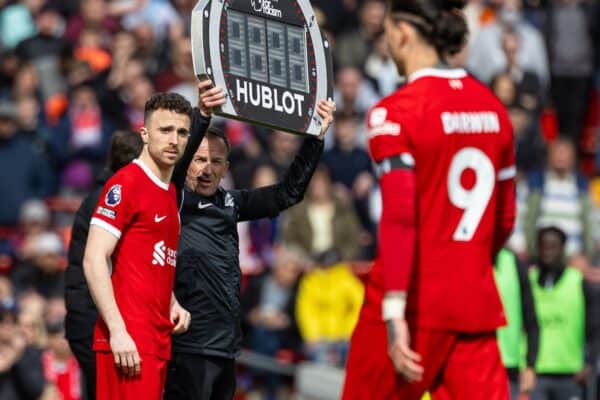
{"x":163,"y":255}
{"x":158,"y":257}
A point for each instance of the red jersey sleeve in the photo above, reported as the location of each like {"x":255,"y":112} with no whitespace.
{"x":389,"y":125}
{"x":115,"y":207}
{"x":391,"y":149}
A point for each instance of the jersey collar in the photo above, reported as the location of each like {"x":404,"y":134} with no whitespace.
{"x":151,"y":175}
{"x":451,"y":73}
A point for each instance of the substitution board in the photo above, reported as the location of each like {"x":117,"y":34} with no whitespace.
{"x":269,"y":56}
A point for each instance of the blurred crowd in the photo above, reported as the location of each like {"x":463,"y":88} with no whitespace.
{"x":73,"y":72}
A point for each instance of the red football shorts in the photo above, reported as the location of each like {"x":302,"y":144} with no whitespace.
{"x":457,"y":366}
{"x":111,"y":384}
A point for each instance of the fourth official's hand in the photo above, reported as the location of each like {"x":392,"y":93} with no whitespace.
{"x":180,"y":317}
{"x":209,"y":97}
{"x":325,"y":109}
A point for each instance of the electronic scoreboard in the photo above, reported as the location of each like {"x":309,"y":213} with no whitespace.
{"x":270,"y":57}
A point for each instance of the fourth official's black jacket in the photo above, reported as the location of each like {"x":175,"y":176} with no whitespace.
{"x":208,"y":275}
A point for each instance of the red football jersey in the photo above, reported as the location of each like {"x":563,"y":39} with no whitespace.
{"x":458,"y":138}
{"x":141,"y":211}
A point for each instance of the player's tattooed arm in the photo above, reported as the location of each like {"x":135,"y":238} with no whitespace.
{"x":405,"y":360}
{"x":391,"y":331}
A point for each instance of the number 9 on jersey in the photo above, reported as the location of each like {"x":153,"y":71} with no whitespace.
{"x":475,"y":200}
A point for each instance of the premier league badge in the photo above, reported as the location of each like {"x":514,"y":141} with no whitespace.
{"x":270,"y":57}
{"x":113,"y":196}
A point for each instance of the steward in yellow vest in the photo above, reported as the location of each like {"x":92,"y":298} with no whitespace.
{"x":565,"y":307}
{"x":517,"y":300}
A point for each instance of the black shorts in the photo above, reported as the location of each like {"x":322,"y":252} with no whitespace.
{"x":195,"y":376}
{"x":82,"y":350}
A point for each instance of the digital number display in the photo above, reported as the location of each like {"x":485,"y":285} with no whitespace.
{"x":269,"y":56}
{"x":267,"y":51}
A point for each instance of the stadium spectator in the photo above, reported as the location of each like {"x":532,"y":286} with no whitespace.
{"x":353,"y":94}
{"x":528,"y":139}
{"x":24,"y":172}
{"x":329,"y":301}
{"x":380,"y":68}
{"x":22,"y":25}
{"x":350,"y":165}
{"x":568,"y":317}
{"x":180,"y":77}
{"x":9,"y":65}
{"x":34,"y":219}
{"x":337,"y":16}
{"x":29,"y":118}
{"x":282,"y":149}
{"x":352,"y":48}
{"x":158,"y":15}
{"x":43,"y":272}
{"x":485,"y":53}
{"x":136,"y":92}
{"x":60,"y":366}
{"x":90,"y":49}
{"x":91,"y":13}
{"x":247,"y":153}
{"x":529,"y":93}
{"x":571,"y":27}
{"x":31,"y":318}
{"x":518,"y":239}
{"x":268,"y":306}
{"x":263,"y":232}
{"x":558,"y":196}
{"x":26,"y":81}
{"x":83,"y":134}
{"x":7,"y":260}
{"x":323,"y":222}
{"x":47,"y":50}
{"x":21,"y":372}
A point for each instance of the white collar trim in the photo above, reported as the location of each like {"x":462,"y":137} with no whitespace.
{"x":455,"y":73}
{"x":151,"y":175}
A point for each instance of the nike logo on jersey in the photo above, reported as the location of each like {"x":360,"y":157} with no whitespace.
{"x":202,"y":206}
{"x":157,"y":219}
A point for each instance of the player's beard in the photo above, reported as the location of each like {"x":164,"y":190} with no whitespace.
{"x":162,"y":159}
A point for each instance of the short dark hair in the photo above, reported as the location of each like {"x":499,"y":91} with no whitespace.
{"x":552,"y":229}
{"x":124,"y":147}
{"x":219,"y":134}
{"x":167,"y":101}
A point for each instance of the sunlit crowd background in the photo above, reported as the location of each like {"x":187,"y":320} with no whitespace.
{"x":73,"y":72}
